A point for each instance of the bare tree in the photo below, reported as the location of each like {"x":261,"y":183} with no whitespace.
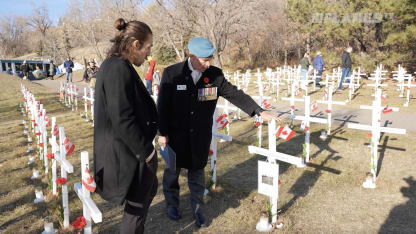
{"x":40,"y":21}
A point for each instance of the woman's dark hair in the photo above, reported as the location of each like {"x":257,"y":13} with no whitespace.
{"x":125,"y":35}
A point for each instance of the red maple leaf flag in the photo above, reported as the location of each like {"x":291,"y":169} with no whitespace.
{"x":387,"y":110}
{"x":266,"y":105}
{"x":69,"y":147}
{"x":285,"y":132}
{"x":88,"y":181}
{"x":222,"y":120}
{"x":314,"y":106}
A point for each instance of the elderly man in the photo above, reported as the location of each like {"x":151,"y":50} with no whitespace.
{"x":318,"y":65}
{"x":187,"y":99}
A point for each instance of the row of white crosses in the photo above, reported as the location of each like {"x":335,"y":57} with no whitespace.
{"x":378,"y":76}
{"x":59,"y":153}
{"x":376,"y":129}
{"x":88,"y":99}
{"x":213,"y":149}
{"x":69,"y":95}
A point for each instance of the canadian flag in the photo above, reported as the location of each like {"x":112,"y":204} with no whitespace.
{"x":298,"y":92}
{"x":222,"y":120}
{"x":328,"y":111}
{"x":285,"y":132}
{"x":88,"y":181}
{"x":265,"y":104}
{"x":55,"y":130}
{"x":314,"y":106}
{"x":368,"y":135}
{"x":69,"y":147}
{"x":387,"y":110}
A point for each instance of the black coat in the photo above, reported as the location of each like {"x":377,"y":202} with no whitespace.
{"x":346,"y":60}
{"x":125,"y":125}
{"x":188,"y":122}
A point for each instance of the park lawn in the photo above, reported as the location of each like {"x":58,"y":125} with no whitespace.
{"x":324,"y":197}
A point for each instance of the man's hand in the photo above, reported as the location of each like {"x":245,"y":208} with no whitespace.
{"x":267,"y":115}
{"x":162,"y":140}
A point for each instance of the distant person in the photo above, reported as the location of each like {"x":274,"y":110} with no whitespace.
{"x":68,"y":65}
{"x":25,"y":70}
{"x":92,"y":70}
{"x":52,"y":70}
{"x":318,"y":65}
{"x":156,"y":80}
{"x":346,"y":65}
{"x":149,"y":74}
{"x":304,"y":65}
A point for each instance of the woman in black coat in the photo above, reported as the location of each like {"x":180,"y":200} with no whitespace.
{"x":126,"y":122}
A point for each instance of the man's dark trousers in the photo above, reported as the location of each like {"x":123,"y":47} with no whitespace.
{"x":196,"y":184}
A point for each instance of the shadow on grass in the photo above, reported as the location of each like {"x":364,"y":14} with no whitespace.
{"x":402,"y":218}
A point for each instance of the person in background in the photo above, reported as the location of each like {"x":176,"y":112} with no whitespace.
{"x":125,"y":125}
{"x":25,"y":70}
{"x":156,"y":81}
{"x":346,"y":65}
{"x":318,"y":65}
{"x":149,"y":74}
{"x":52,"y":70}
{"x":68,"y":65}
{"x":304,"y":65}
{"x":92,"y":73}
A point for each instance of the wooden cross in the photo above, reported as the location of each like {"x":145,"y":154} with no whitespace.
{"x":66,"y":167}
{"x":376,"y":130}
{"x":215,"y":136}
{"x":89,"y":208}
{"x":330,"y":102}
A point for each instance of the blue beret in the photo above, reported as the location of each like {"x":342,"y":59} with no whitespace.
{"x":201,"y":47}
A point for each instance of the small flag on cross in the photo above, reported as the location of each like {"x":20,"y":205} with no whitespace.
{"x":285,"y":132}
{"x":314,"y":106}
{"x":222,"y":120}
{"x":266,"y":105}
{"x":88,"y":181}
{"x":69,"y":147}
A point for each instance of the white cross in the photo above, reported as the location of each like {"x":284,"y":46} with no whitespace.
{"x":66,"y":167}
{"x":89,"y":208}
{"x":307,"y":119}
{"x":215,"y":136}
{"x":376,"y":130}
{"x":272,"y":157}
{"x":55,"y":151}
{"x":330,"y":102}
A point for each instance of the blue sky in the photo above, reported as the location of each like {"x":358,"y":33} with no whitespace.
{"x":25,"y":7}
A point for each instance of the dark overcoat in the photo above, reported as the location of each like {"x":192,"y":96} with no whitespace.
{"x":125,"y":124}
{"x":188,"y":122}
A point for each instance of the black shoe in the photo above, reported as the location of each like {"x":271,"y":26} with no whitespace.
{"x":199,"y":220}
{"x":173,"y":213}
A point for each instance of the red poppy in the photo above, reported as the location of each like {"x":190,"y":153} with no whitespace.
{"x":61,"y":181}
{"x":50,"y":155}
{"x":280,"y":182}
{"x":206,"y":80}
{"x":257,"y":124}
{"x":210,"y":152}
{"x":79,"y":223}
